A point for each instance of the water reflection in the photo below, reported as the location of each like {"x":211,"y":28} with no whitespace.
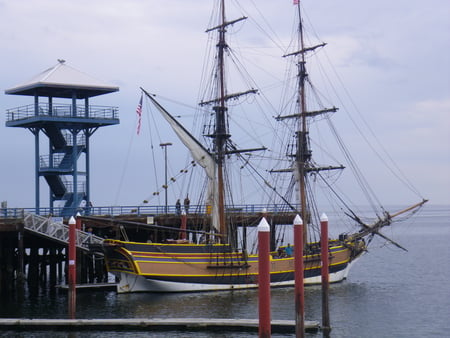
{"x":390,"y":293}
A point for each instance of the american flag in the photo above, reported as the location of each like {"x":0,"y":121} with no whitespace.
{"x":139,"y":113}
{"x":296,"y":2}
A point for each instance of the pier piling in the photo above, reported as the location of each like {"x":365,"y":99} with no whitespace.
{"x":299,"y":278}
{"x":264,"y":279}
{"x":326,"y":328}
{"x":72,"y":267}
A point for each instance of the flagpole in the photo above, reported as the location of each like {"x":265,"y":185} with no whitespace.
{"x":164,"y":146}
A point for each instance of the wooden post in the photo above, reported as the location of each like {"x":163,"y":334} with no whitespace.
{"x":33,"y":269}
{"x":21,"y":256}
{"x":325,"y":280}
{"x":9,"y":265}
{"x":43,"y":266}
{"x":299,"y":278}
{"x":72,"y":267}
{"x":264,"y":279}
{"x":59,"y":262}
{"x":52,"y":264}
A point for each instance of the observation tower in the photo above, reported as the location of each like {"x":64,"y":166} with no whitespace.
{"x":62,"y":132}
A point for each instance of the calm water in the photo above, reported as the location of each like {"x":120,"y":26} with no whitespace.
{"x":389,"y":293}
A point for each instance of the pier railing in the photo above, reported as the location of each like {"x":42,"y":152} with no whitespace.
{"x":144,"y":210}
{"x":55,"y":230}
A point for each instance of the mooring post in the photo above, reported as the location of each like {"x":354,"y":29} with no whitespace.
{"x":78,"y":221}
{"x":183,"y":225}
{"x":264,"y":279}
{"x":325,"y":281}
{"x":299,"y":278}
{"x":72,"y":267}
{"x":80,"y":258}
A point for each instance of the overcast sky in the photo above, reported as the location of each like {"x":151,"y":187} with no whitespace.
{"x":393,"y":57}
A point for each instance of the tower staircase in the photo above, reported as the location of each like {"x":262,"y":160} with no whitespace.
{"x":68,"y":127}
{"x":60,"y":163}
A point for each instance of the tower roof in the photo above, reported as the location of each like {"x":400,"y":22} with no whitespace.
{"x":62,"y":80}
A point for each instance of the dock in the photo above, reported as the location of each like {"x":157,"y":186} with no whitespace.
{"x":90,"y":286}
{"x":152,"y":324}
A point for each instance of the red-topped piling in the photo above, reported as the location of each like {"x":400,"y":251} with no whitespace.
{"x":264,"y":279}
{"x":78,"y":221}
{"x":72,"y":267}
{"x":183,"y":225}
{"x":325,"y":273}
{"x":299,"y":278}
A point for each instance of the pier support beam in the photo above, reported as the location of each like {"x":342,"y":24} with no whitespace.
{"x":20,"y":257}
{"x":52,"y":263}
{"x":33,"y":267}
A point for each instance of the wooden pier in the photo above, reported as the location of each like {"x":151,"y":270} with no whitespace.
{"x":37,"y":254}
{"x":30,"y":257}
{"x":152,"y":324}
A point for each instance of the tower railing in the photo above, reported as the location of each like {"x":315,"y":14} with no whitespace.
{"x":62,"y":110}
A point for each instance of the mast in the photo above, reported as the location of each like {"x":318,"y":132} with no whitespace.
{"x":302,"y":164}
{"x":221,"y":134}
{"x":303,"y":153}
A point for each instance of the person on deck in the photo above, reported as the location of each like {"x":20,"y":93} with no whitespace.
{"x":178,"y":207}
{"x":186,"y":204}
{"x":289,"y":250}
{"x":280,"y":253}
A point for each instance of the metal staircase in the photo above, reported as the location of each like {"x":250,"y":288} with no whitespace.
{"x":59,"y":232}
{"x":61,"y":163}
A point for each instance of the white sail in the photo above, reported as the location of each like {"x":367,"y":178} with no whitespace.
{"x":200,"y":155}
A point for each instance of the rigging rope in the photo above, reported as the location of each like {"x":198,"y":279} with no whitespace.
{"x":397,"y":172}
{"x":124,"y":168}
{"x":152,"y":148}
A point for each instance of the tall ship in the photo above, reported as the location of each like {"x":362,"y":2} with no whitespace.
{"x":218,"y":253}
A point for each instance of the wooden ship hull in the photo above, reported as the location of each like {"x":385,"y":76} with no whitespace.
{"x":157,"y":267}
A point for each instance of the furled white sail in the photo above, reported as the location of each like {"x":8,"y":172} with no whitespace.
{"x":200,"y":155}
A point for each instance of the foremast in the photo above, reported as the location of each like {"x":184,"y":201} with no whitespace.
{"x":221,"y":134}
{"x":212,"y":159}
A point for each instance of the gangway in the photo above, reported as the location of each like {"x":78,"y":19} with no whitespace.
{"x":59,"y":232}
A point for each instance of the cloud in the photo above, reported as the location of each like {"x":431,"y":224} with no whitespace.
{"x":392,"y":57}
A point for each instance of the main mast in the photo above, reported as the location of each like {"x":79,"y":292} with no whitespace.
{"x":221,"y":134}
{"x":302,"y":157}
